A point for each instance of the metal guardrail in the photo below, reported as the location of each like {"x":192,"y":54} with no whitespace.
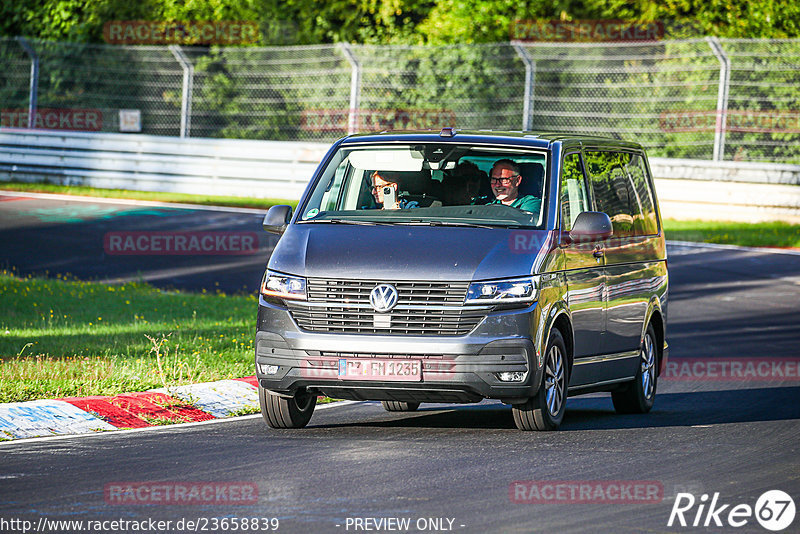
{"x":281,"y":169}
{"x":726,"y":171}
{"x":154,"y":163}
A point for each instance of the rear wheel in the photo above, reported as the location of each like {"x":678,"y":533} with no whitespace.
{"x":545,"y":410}
{"x":286,"y":412}
{"x":640,"y":394}
{"x":396,"y":406}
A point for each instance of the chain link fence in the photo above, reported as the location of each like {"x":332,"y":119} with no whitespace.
{"x":724,"y":99}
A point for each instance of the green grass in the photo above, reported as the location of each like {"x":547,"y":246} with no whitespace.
{"x":209,"y":200}
{"x":765,"y":234}
{"x":250,"y":410}
{"x":70,"y":338}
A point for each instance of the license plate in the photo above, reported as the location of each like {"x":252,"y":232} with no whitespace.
{"x":395,"y":370}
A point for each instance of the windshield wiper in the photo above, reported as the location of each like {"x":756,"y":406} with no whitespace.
{"x":414,"y":222}
{"x":346,"y":221}
{"x":445,"y":223}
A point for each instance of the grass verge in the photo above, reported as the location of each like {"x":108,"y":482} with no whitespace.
{"x":765,"y":234}
{"x":208,"y":200}
{"x":63,"y":337}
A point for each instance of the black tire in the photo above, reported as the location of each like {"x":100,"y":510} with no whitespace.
{"x":640,"y":394}
{"x":545,"y":410}
{"x":283,"y":412}
{"x":397,"y":406}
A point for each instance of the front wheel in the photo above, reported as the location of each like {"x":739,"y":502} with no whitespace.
{"x":639,"y":395}
{"x":286,"y":412}
{"x":545,"y":410}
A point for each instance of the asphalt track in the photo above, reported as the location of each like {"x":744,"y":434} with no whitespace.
{"x":736,"y":437}
{"x":43,"y":234}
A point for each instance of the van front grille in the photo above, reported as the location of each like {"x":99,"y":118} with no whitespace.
{"x":423,"y":309}
{"x":357,"y":291}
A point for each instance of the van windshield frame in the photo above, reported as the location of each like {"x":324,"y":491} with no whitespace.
{"x":436,"y":184}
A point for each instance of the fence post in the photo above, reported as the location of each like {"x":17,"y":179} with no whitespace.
{"x":188,"y":83}
{"x":530,"y":74}
{"x":722,"y":96}
{"x":355,"y":88}
{"x":33,"y":90}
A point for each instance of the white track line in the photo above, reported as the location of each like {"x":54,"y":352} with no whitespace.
{"x":158,"y":428}
{"x":718,"y":246}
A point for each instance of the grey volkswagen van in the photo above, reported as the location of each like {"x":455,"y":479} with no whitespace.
{"x":456,"y":266}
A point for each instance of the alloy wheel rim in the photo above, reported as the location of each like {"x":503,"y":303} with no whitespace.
{"x":648,"y":362}
{"x":554,"y":381}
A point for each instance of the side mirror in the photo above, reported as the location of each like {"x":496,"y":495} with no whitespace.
{"x":277,"y":219}
{"x":591,"y":226}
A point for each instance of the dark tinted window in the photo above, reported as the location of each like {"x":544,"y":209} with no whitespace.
{"x":637,"y":170}
{"x":574,"y":199}
{"x":621,"y":190}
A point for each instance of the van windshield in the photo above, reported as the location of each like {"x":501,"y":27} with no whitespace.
{"x":430,"y":184}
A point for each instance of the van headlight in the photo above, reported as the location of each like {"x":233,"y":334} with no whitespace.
{"x":503,"y":291}
{"x":283,"y":286}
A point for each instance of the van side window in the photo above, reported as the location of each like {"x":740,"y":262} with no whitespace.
{"x":574,"y":199}
{"x":330,"y":199}
{"x":648,"y":224}
{"x":621,"y":191}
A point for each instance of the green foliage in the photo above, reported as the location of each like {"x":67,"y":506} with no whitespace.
{"x":478,"y":86}
{"x":240,"y":94}
{"x":400,"y":21}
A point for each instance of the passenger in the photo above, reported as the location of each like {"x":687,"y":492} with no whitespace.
{"x":505,"y":181}
{"x":381,"y":179}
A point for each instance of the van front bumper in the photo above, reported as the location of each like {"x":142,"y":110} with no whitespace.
{"x":454,"y":368}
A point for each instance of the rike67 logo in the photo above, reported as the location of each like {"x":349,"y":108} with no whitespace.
{"x":774,"y":510}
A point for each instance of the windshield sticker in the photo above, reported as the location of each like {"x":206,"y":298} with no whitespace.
{"x":310,"y":214}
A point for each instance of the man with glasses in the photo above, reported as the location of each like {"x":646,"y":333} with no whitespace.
{"x":505,"y":181}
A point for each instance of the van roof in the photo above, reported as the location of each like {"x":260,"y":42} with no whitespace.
{"x":519,"y":137}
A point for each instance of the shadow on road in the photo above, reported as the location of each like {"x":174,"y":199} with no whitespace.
{"x":597,"y":413}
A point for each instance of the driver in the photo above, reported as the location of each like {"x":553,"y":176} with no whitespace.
{"x":505,"y":180}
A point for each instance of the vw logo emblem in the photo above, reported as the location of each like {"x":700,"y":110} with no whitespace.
{"x":383,"y":297}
